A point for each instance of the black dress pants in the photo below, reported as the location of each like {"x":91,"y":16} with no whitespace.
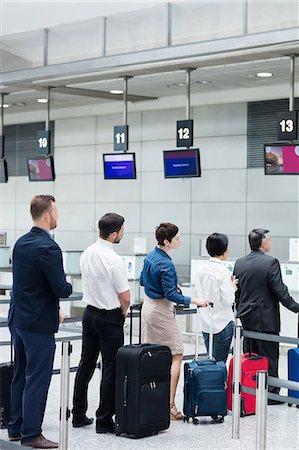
{"x":102,"y":332}
{"x":268,"y":349}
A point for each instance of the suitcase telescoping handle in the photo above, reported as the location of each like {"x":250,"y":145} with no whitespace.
{"x":211,"y":305}
{"x":137,"y":307}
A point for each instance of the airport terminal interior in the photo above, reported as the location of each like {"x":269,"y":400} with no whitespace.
{"x":99,"y":100}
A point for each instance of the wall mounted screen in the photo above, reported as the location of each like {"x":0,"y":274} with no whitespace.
{"x":119,"y":166}
{"x":182,"y":163}
{"x":281,"y":159}
{"x":41,"y":168}
{"x":3,"y":171}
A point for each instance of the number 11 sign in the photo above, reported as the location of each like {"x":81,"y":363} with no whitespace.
{"x":121,"y":137}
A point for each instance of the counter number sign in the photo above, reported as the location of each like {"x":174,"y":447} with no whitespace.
{"x":43,"y":142}
{"x":120,"y":137}
{"x":184,"y":133}
{"x":287,"y":126}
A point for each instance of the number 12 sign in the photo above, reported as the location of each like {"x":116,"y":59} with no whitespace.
{"x":184,"y":133}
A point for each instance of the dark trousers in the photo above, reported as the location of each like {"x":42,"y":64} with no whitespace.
{"x":33,"y":363}
{"x":221,"y":342}
{"x":268,"y":349}
{"x":102,"y":332}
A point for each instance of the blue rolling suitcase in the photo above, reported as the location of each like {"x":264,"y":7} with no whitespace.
{"x":205,"y":386}
{"x":293,"y":370}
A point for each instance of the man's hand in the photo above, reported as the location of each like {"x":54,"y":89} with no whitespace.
{"x":61,"y":316}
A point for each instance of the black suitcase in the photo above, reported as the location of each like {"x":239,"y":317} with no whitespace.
{"x":6,"y":374}
{"x":142,"y":389}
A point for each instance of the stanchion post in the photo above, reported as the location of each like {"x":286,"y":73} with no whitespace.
{"x":236,"y":403}
{"x":261,"y":409}
{"x":66,"y":350}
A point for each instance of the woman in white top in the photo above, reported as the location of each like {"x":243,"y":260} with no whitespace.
{"x":213,"y":281}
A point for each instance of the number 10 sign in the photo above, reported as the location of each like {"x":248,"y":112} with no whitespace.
{"x":43,"y":142}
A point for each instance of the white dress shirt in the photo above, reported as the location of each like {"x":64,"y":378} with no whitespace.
{"x":213,"y":282}
{"x":103,"y":275}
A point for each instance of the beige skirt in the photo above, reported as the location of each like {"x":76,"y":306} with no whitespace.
{"x":159,"y":325}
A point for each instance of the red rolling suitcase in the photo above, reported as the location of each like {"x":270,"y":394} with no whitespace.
{"x":250,"y":364}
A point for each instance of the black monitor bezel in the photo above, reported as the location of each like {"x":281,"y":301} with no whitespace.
{"x":41,"y":157}
{"x":119,"y":154}
{"x":198,"y":175}
{"x":5,"y":171}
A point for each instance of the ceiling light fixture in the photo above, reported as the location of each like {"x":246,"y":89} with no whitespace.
{"x":116,"y":91}
{"x":264,"y":74}
{"x":5,"y":105}
{"x":42,"y":100}
{"x":203,"y":82}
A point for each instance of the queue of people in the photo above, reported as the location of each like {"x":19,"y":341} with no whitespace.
{"x":39,"y":281}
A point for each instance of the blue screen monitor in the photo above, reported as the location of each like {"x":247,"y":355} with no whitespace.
{"x":119,"y":166}
{"x":182,"y":163}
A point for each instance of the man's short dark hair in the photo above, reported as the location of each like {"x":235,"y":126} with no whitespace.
{"x":40,"y":204}
{"x":110,"y":223}
{"x":216,"y":244}
{"x":256,"y":237}
{"x":166,"y":231}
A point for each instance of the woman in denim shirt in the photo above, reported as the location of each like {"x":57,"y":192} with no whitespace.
{"x":162,"y":293}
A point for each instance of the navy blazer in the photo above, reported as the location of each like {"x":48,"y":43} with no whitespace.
{"x":38,"y":283}
{"x":260,"y":290}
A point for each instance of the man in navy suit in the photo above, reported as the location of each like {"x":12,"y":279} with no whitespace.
{"x":260,"y":291}
{"x":34,"y":315}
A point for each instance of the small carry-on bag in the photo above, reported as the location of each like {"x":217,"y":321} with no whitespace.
{"x":142,"y":388}
{"x":250,"y":364}
{"x":6,"y":375}
{"x":293,"y":371}
{"x":205,"y":384}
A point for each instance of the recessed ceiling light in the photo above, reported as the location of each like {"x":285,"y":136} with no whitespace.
{"x":264,"y":74}
{"x":5,"y":105}
{"x":18,"y":104}
{"x":42,"y":100}
{"x":203,"y":82}
{"x":116,"y":91}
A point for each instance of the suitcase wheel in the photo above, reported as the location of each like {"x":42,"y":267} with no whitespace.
{"x":186,"y":419}
{"x":290,"y":404}
{"x":297,"y":406}
{"x":217,"y":419}
{"x":195,"y":421}
{"x":243,"y":413}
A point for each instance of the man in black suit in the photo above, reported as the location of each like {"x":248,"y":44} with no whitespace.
{"x":260,"y":290}
{"x":34,"y":315}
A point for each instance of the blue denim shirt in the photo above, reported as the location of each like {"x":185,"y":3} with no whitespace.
{"x":159,"y":278}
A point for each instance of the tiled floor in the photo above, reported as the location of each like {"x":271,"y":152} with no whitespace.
{"x":282,"y":421}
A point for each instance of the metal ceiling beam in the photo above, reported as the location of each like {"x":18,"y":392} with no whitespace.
{"x":100,"y":94}
{"x":203,"y":54}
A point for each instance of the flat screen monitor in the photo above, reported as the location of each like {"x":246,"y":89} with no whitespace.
{"x":119,"y":166}
{"x":182,"y":163}
{"x":281,"y":159}
{"x":41,"y":168}
{"x":3,"y":171}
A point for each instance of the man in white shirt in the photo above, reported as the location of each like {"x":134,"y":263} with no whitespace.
{"x":106,"y":292}
{"x":213,"y":281}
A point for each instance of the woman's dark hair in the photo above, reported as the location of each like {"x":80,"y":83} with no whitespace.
{"x":256,"y":237}
{"x":110,"y":223}
{"x":166,"y":231}
{"x":216,"y":244}
{"x":41,"y":204}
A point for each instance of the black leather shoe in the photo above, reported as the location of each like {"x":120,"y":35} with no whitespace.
{"x":16,"y":437}
{"x":39,"y":442}
{"x":102,"y":430}
{"x":275,"y":402}
{"x":82,"y":422}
